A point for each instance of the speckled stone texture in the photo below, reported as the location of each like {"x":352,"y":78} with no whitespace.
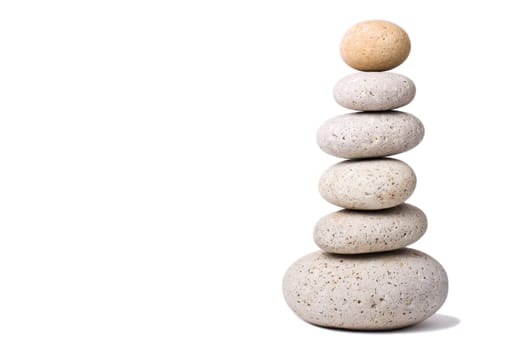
{"x":356,"y":232}
{"x":365,"y":278}
{"x":366,"y":291}
{"x":373,"y":91}
{"x":370,"y":135}
{"x":368,"y":184}
{"x":375,"y":45}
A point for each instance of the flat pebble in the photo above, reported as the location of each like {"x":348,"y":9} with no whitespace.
{"x":375,"y":45}
{"x":373,"y":91}
{"x":370,"y":135}
{"x":366,"y":291}
{"x":355,"y":232}
{"x":368,"y":184}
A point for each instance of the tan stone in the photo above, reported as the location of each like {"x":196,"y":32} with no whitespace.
{"x":375,"y":45}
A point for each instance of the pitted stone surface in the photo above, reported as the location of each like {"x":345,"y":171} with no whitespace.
{"x":366,"y":291}
{"x":373,"y":91}
{"x":368,"y":184}
{"x":375,"y":45}
{"x":370,"y":135}
{"x":357,"y":231}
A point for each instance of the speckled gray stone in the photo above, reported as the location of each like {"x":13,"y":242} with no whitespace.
{"x":366,"y":291}
{"x":374,"y":91}
{"x":368,"y":184}
{"x":354,"y":232}
{"x":370,"y":134}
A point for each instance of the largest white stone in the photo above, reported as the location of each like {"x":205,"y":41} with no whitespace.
{"x":367,"y":291}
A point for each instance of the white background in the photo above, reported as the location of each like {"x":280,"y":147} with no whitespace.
{"x":158,"y":169}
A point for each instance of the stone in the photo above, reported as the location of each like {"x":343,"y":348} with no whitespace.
{"x":368,"y":184}
{"x":377,"y":291}
{"x":370,"y":135}
{"x":375,"y":45}
{"x":355,"y":232}
{"x":374,"y":91}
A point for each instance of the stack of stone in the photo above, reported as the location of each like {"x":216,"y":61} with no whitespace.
{"x":364,"y":278}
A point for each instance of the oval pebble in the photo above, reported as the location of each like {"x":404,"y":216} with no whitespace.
{"x":368,"y":184}
{"x":366,"y":291}
{"x":373,"y":91}
{"x":356,"y":232}
{"x":370,"y":135}
{"x":375,"y":45}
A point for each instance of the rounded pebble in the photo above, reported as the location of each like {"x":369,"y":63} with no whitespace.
{"x":368,"y":184}
{"x":373,"y":91}
{"x":375,"y":45}
{"x":366,"y":292}
{"x":370,"y":135}
{"x":356,"y":232}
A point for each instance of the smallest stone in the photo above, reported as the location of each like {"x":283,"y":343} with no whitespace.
{"x":375,"y":45}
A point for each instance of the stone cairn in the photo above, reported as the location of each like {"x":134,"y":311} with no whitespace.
{"x":364,"y":278}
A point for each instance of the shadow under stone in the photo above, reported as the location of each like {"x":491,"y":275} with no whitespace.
{"x":437,"y":322}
